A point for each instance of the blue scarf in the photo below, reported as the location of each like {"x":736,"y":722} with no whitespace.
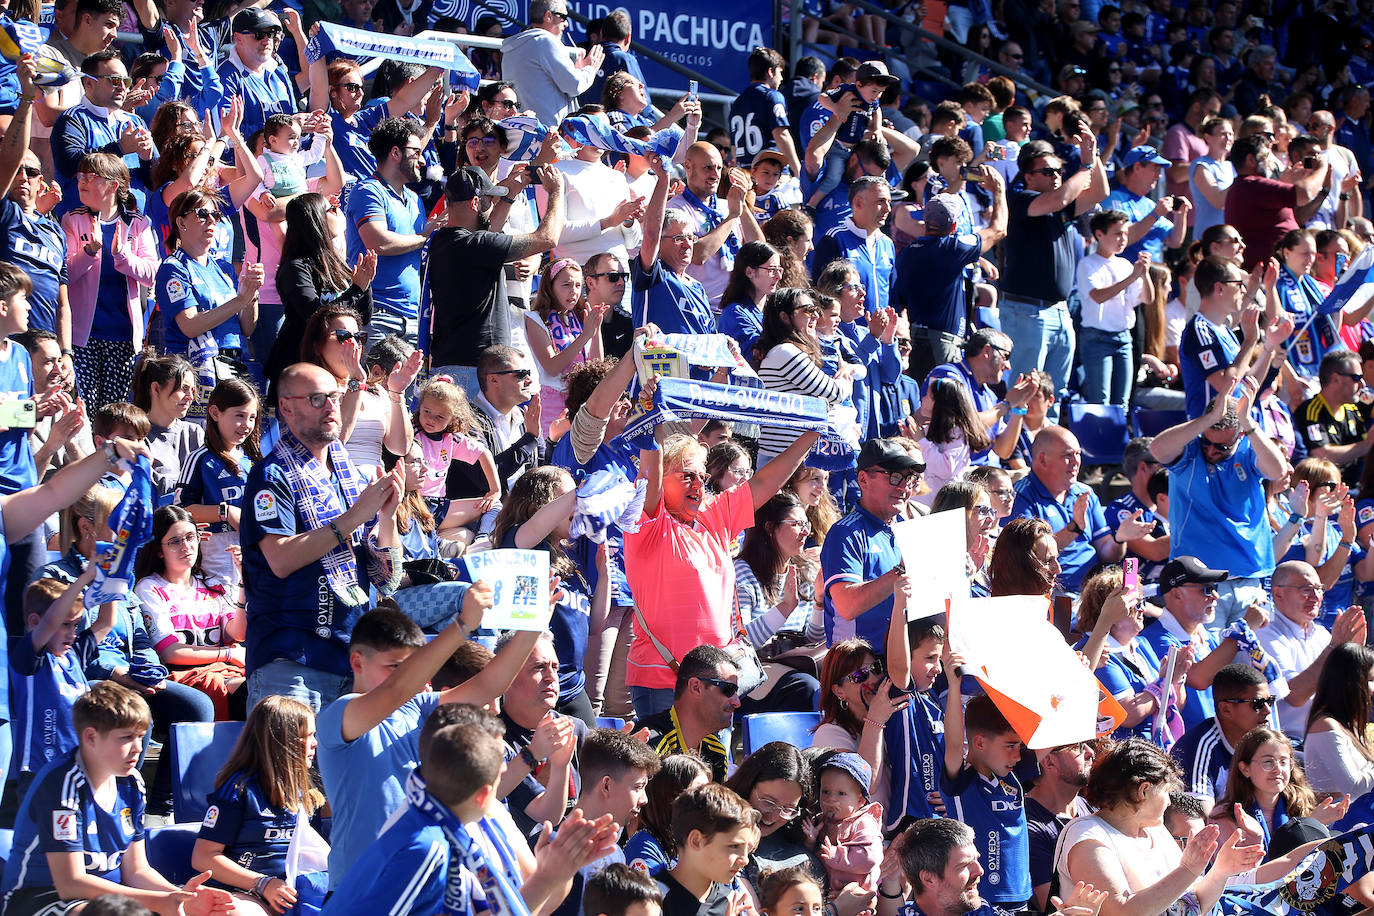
{"x":318,"y":501}
{"x":605,"y":499}
{"x":340,"y":39}
{"x":596,"y":130}
{"x":132,"y":524}
{"x":714,"y":219}
{"x":502,"y":896}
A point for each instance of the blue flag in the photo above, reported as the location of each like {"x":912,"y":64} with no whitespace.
{"x":1358,"y":274}
{"x":524,"y":137}
{"x":19,"y":37}
{"x":340,"y":39}
{"x":132,"y":524}
{"x":1315,"y":886}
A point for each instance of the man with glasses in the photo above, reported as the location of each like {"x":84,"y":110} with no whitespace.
{"x":98,"y":124}
{"x":254,"y":72}
{"x":1204,"y":752}
{"x":665,"y":294}
{"x":1264,"y":210}
{"x":1217,"y":467}
{"x":1054,"y":800}
{"x":1190,"y":591}
{"x":315,"y":536}
{"x":1040,"y":258}
{"x":1152,"y":547}
{"x":705,"y":697}
{"x":1298,"y":644}
{"x":1331,"y":423}
{"x":860,"y":561}
{"x":509,"y":430}
{"x":537,"y":62}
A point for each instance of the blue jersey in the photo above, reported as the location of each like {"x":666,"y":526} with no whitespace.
{"x":873,"y":261}
{"x":754,"y":116}
{"x":678,"y":304}
{"x":645,"y":855}
{"x":60,"y":814}
{"x":350,"y":141}
{"x":406,"y":874}
{"x":255,"y":834}
{"x":37,"y":245}
{"x":742,"y":322}
{"x":994,"y":808}
{"x":44,"y":687}
{"x":183,"y":283}
{"x":17,"y":468}
{"x":856,"y":124}
{"x":915,"y":742}
{"x":862,"y":549}
{"x":207,"y":480}
{"x":1316,"y":334}
{"x":396,"y":288}
{"x":1199,"y":705}
{"x":1204,"y":348}
{"x":1205,"y":758}
{"x":268,"y":94}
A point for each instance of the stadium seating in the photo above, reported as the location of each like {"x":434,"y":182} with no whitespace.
{"x":198,"y":751}
{"x":1145,"y":422}
{"x":793,"y":727}
{"x":1101,"y":430}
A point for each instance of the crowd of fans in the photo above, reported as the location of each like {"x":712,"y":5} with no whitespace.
{"x":340,"y":334}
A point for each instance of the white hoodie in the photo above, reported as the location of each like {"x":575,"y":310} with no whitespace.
{"x":545,"y":79}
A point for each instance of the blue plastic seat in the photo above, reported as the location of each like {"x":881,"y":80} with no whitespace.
{"x":198,"y":751}
{"x":169,"y":851}
{"x":792,"y":727}
{"x":1147,"y":422}
{"x":1101,"y":429}
{"x":610,"y":722}
{"x":6,"y":843}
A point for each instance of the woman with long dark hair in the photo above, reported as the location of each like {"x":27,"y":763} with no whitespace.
{"x":855,"y":707}
{"x":1337,"y":751}
{"x":652,"y":850}
{"x":792,"y":361}
{"x":980,"y":521}
{"x":757,"y":270}
{"x":312,"y":274}
{"x":776,"y":781}
{"x":111,"y":259}
{"x":789,"y":232}
{"x":1025,"y":560}
{"x":1268,"y":784}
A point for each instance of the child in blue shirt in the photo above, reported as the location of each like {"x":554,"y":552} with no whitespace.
{"x":981,"y":790}
{"x":914,"y":734}
{"x":79,"y":833}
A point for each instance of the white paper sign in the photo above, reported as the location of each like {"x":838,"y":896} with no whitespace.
{"x":1009,"y":644}
{"x":935,"y":550}
{"x":520,"y":580}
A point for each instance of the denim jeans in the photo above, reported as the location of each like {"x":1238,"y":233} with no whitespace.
{"x":465,"y":377}
{"x":1042,"y":338}
{"x":384,"y":323}
{"x":650,"y":701}
{"x":313,"y":687}
{"x":1107,"y":365}
{"x":1234,"y":597}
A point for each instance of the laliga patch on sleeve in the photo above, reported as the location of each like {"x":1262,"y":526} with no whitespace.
{"x":265,"y":506}
{"x":177,"y":289}
{"x":780,"y":111}
{"x":1208,"y":359}
{"x":64,"y":826}
{"x":1365,"y":515}
{"x":211,"y":816}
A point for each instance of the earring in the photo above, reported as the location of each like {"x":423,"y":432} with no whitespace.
{"x":844,"y":704}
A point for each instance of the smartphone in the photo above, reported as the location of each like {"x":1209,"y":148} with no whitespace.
{"x":1310,"y":162}
{"x":995,"y":152}
{"x":971,"y":174}
{"x":19,"y":414}
{"x":1176,"y":200}
{"x":691,"y":90}
{"x":1130,"y":575}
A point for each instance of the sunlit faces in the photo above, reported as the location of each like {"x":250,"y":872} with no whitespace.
{"x":724,"y":855}
{"x":115,"y":752}
{"x":841,"y":794}
{"x":777,"y":801}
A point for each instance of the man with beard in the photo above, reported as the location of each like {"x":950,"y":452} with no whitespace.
{"x":1051,"y":803}
{"x":385,"y":216}
{"x":465,"y":267}
{"x":316,"y":535}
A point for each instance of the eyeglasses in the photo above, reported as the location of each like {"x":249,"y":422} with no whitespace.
{"x":1048,"y":171}
{"x":260,"y":34}
{"x":786,"y":812}
{"x":859,"y":675}
{"x":1005,"y":353}
{"x":902,"y":478}
{"x":726,"y":687}
{"x":1209,"y":589}
{"x":1258,"y":704}
{"x":81,"y":176}
{"x":343,"y":336}
{"x":204,"y":214}
{"x":682,"y":239}
{"x":119,"y":82}
{"x":801,"y":524}
{"x":523,"y":375}
{"x":771,"y":268}
{"x":1307,"y":591}
{"x":1270,"y":764}
{"x":694,"y":476}
{"x":349,"y":87}
{"x":851,"y":287}
{"x":984,"y":511}
{"x":187,"y":539}
{"x":317,"y":400}
{"x":480,"y":141}
{"x":615,"y":276}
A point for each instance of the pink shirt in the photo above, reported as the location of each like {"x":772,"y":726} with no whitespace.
{"x":683,"y":581}
{"x":193,"y":616}
{"x":439,"y":453}
{"x":1181,"y":145}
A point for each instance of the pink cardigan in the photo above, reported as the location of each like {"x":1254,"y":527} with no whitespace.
{"x":137,"y":260}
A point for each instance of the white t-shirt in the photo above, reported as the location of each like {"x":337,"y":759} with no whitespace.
{"x":1144,"y":860}
{"x":1117,"y":313}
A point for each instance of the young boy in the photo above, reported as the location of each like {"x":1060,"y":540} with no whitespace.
{"x":914,"y":734}
{"x":852,"y":834}
{"x":854,"y":105}
{"x":715,"y":831}
{"x":408,"y":871}
{"x":982,"y":791}
{"x":1110,"y":287}
{"x":615,"y":772}
{"x":49,"y":663}
{"x":121,"y":420}
{"x":618,"y":890}
{"x":79,"y":833}
{"x":368,"y":739}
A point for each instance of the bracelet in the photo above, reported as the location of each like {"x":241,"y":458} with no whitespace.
{"x":868,"y":721}
{"x":528,"y":757}
{"x":1020,"y":411}
{"x":241,"y":605}
{"x":1249,"y":430}
{"x":28,"y":98}
{"x":462,"y":627}
{"x":1295,"y":518}
{"x":260,"y":886}
{"x":886,"y":896}
{"x":393,"y":391}
{"x":1348,"y":545}
{"x":343,"y":541}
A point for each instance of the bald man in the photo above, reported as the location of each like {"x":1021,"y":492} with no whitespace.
{"x":720,"y":226}
{"x":314,"y":534}
{"x":1052,"y":492}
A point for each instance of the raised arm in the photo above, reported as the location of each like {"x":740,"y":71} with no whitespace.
{"x":653,"y":216}
{"x":770,"y":478}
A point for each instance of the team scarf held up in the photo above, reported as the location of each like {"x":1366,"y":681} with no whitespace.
{"x":340,"y":39}
{"x":319,"y":504}
{"x":678,"y":399}
{"x":1315,"y":886}
{"x":132,"y":524}
{"x":596,"y":130}
{"x":19,"y":37}
{"x":607,"y":498}
{"x":502,"y":896}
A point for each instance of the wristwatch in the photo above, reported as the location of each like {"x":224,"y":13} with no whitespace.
{"x":530,"y":760}
{"x":224,"y":512}
{"x":354,"y":385}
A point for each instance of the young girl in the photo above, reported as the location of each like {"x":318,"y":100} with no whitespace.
{"x":953,"y":436}
{"x":851,"y":834}
{"x":443,"y":419}
{"x":213,"y":478}
{"x":728,"y":465}
{"x":196,"y":628}
{"x":252,"y":815}
{"x":562,"y":330}
{"x":651,"y":849}
{"x":790,"y":891}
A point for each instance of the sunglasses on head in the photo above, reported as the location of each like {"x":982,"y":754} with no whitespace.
{"x":343,"y":336}
{"x":725,"y":687}
{"x":873,"y":669}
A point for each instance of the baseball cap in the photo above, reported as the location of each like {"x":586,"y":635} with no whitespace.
{"x":938,"y":217}
{"x":469,"y":182}
{"x":770,"y":154}
{"x":875,"y":71}
{"x":1187,"y":570}
{"x":1137,"y":154}
{"x":854,"y":765}
{"x":253,"y":19}
{"x":1297,"y":832}
{"x":885,"y":454}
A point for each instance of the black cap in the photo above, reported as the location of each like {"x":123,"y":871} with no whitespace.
{"x":875,"y":71}
{"x":1297,"y":832}
{"x":885,"y":454}
{"x":469,"y":182}
{"x":1188,"y":571}
{"x":253,"y":19}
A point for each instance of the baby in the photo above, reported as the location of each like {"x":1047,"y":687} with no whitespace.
{"x":851,"y":836}
{"x":283,"y":162}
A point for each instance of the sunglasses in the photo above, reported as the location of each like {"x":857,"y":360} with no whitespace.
{"x":726,"y":687}
{"x":318,"y":399}
{"x":615,"y":276}
{"x":349,"y":87}
{"x":343,"y":336}
{"x":481,"y":141}
{"x":694,"y":476}
{"x":1048,"y":171}
{"x":508,"y":104}
{"x":1258,"y":704}
{"x":1326,"y":485}
{"x":260,"y":34}
{"x":522,"y":374}
{"x":562,"y":16}
{"x":31,"y":172}
{"x":903,"y":478}
{"x":119,"y":82}
{"x":859,"y":675}
{"x":205,"y":214}
{"x":984,"y":511}
{"x":1220,"y":448}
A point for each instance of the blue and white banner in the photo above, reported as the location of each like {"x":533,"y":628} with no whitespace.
{"x":132,"y":524}
{"x":677,"y":399}
{"x":340,"y":39}
{"x":524,"y":137}
{"x":1354,"y":287}
{"x":604,"y":499}
{"x":596,"y":130}
{"x":676,"y":355}
{"x":1315,"y":886}
{"x":19,"y":37}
